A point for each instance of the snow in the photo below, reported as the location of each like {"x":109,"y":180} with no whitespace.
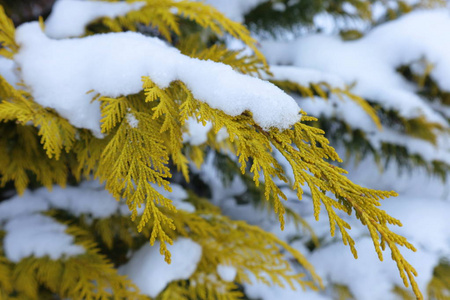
{"x":422,"y":206}
{"x":39,"y":236}
{"x":197,"y":133}
{"x":19,"y":206}
{"x":132,"y":121}
{"x":234,"y":9}
{"x":148,"y":270}
{"x":28,"y":232}
{"x":226,"y":272}
{"x":113,"y":64}
{"x":7,"y":71}
{"x":359,"y":275}
{"x":368,"y":65}
{"x":60,"y":72}
{"x":343,"y":109}
{"x":371,"y":61}
{"x":89,"y":198}
{"x":69,"y":18}
{"x":351,"y":113}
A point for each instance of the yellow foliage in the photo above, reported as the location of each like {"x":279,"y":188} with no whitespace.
{"x":240,"y":62}
{"x":247,"y":248}
{"x":8,"y":46}
{"x":134,"y":157}
{"x":132,"y":160}
{"x":86,"y":276}
{"x":164,"y":15}
{"x":56,"y":133}
{"x":6,"y":286}
{"x":20,"y":153}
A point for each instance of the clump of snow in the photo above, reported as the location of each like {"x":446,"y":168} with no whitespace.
{"x":148,"y":270}
{"x":113,"y":65}
{"x":222,"y":135}
{"x":8,"y":71}
{"x":19,"y":206}
{"x":132,"y":121}
{"x":28,"y":232}
{"x":226,"y":272}
{"x":70,"y":17}
{"x":197,"y":133}
{"x":89,"y":198}
{"x":39,"y":236}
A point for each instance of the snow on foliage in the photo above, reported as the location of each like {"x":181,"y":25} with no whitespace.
{"x":28,"y":232}
{"x":370,"y":62}
{"x":369,"y":66}
{"x":226,"y":272}
{"x":151,"y":273}
{"x":69,"y":18}
{"x":70,"y":73}
{"x":39,"y":236}
{"x":113,"y":65}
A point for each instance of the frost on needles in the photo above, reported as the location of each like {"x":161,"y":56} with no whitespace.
{"x":115,"y":106}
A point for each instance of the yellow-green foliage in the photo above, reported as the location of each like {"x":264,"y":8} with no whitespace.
{"x":7,"y":41}
{"x":417,"y":127}
{"x":164,"y":15}
{"x":132,"y":159}
{"x":86,"y":276}
{"x":245,"y":64}
{"x":439,"y":286}
{"x":247,"y":248}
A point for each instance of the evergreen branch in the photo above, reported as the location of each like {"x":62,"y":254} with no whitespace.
{"x":245,"y":64}
{"x":130,"y":168}
{"x":247,"y":248}
{"x":322,"y":89}
{"x":164,"y":16}
{"x":8,"y":46}
{"x":307,"y":159}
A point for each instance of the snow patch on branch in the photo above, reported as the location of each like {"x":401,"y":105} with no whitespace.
{"x":28,"y":232}
{"x":39,"y":236}
{"x":148,"y":270}
{"x":113,"y":65}
{"x":370,"y":62}
{"x":69,"y":18}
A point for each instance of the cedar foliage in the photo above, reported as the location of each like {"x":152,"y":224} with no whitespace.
{"x":40,"y":147}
